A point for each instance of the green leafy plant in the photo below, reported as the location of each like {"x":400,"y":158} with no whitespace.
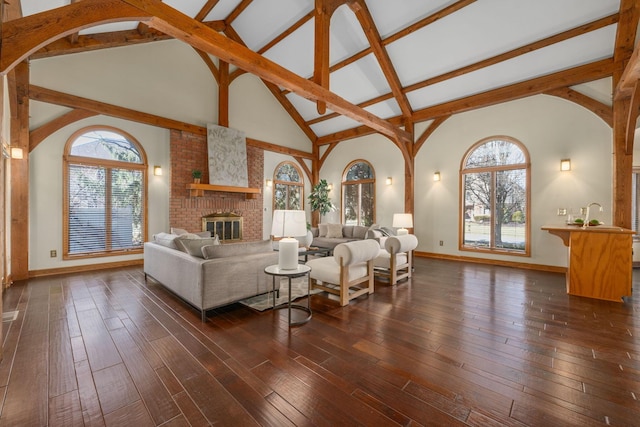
{"x":196,"y":174}
{"x":319,"y":198}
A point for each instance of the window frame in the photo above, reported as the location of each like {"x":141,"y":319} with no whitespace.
{"x":526,"y":166}
{"x":68,"y":159}
{"x":359,"y":183}
{"x":287,"y":183}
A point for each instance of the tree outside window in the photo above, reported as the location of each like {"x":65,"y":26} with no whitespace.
{"x":105,"y":175}
{"x":358,"y":194}
{"x":288,"y":187}
{"x":495,"y":199}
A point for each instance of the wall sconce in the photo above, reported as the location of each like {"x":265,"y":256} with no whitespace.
{"x":389,"y":181}
{"x":436,"y":176}
{"x":157,"y":170}
{"x":17,"y":153}
{"x":330,"y":187}
{"x":565,"y":165}
{"x":269,"y":183}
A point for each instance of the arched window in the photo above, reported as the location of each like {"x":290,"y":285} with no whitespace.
{"x":288,"y":187}
{"x":358,"y":194}
{"x":104,"y":194}
{"x":494,"y":202}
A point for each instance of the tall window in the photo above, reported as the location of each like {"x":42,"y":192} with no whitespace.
{"x":104,"y":194}
{"x":495,"y":197}
{"x":288,"y":187}
{"x":358,"y":194}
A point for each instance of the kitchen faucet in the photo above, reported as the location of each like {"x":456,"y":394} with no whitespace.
{"x":586,"y":218}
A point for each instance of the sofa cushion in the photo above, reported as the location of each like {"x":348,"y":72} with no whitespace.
{"x":178,"y":231}
{"x":347,"y":231}
{"x":334,"y":231}
{"x":192,"y":243}
{"x":166,"y":239}
{"x":236,"y":249}
{"x":360,"y":231}
{"x":322,"y":230}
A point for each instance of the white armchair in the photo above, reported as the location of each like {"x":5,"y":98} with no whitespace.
{"x":348,"y":273}
{"x":395,"y":260}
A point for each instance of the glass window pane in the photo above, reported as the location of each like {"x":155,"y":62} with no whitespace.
{"x":280,"y":196}
{"x":359,"y":171}
{"x":126,"y":209}
{"x":510,"y":208}
{"x":87,"y":209}
{"x":350,"y":204}
{"x":367,"y":204}
{"x":103,"y":144}
{"x":287,"y":172}
{"x":495,"y":153}
{"x":477,"y":209}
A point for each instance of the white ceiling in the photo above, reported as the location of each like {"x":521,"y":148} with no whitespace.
{"x":474,"y":33}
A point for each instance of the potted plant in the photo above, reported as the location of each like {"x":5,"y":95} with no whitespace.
{"x":196,"y":174}
{"x":319,"y":200}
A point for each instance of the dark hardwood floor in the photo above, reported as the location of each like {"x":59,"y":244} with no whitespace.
{"x":460,"y":344}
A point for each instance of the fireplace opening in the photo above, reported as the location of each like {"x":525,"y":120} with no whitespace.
{"x":228,"y":226}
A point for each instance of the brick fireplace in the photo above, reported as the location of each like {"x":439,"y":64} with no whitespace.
{"x":189,"y":151}
{"x":228,"y":226}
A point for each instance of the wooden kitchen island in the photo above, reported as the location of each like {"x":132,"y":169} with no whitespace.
{"x":600,"y":260}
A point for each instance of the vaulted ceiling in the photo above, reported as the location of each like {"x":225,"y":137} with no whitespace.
{"x":402,"y":62}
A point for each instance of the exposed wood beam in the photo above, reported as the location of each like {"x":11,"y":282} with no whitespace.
{"x":11,"y":9}
{"x":36,"y":136}
{"x":622,"y":143}
{"x":38,"y":93}
{"x":205,"y":10}
{"x":373,"y":36}
{"x":19,"y":40}
{"x":565,"y":35}
{"x":304,"y":167}
{"x":427,"y":133}
{"x":237,"y":11}
{"x":276,"y":92}
{"x":91,"y":107}
{"x":581,"y":74}
{"x":90,"y":42}
{"x":600,"y":109}
{"x":210,"y":64}
{"x":172,"y":22}
{"x":632,"y":118}
{"x":573,"y":76}
{"x":630,"y":75}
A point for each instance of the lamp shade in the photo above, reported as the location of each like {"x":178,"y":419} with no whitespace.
{"x":288,"y":224}
{"x":402,"y":221}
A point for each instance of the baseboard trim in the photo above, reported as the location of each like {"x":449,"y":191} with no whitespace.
{"x":83,"y":268}
{"x":523,"y":265}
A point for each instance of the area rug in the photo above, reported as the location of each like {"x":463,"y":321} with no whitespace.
{"x":265,"y":301}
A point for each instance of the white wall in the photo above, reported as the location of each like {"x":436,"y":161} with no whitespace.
{"x":386,"y":160}
{"x":551,"y":129}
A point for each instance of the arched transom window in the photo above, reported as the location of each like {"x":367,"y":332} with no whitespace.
{"x":104,"y":194}
{"x":495,"y":196}
{"x":288,"y":187}
{"x":358,"y":194}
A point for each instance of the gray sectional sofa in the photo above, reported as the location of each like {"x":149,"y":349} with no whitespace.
{"x":220,"y":275}
{"x":331,"y":235}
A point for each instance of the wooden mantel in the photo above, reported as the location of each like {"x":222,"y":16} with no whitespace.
{"x":197,"y":190}
{"x":599,"y":261}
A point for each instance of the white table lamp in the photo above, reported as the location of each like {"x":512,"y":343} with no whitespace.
{"x":402,"y":221}
{"x":287,"y":224}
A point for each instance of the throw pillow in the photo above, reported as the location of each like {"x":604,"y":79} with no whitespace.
{"x":178,"y":231}
{"x":347,"y":231}
{"x":204,"y":234}
{"x":166,"y":239}
{"x":192,"y":243}
{"x":334,"y":231}
{"x":322,"y":230}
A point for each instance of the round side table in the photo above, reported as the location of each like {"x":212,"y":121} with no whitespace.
{"x":300,"y":271}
